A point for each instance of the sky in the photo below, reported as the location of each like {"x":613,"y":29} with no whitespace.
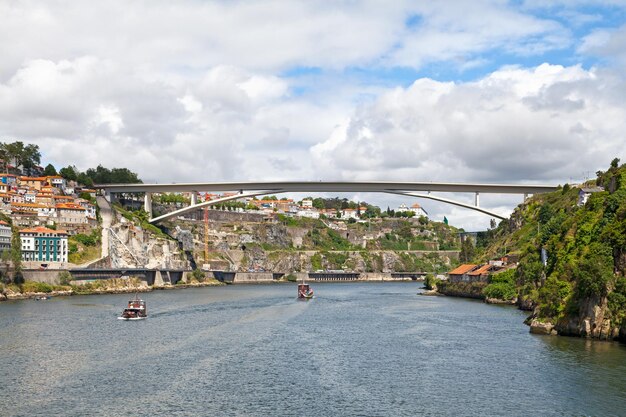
{"x":198,"y":91}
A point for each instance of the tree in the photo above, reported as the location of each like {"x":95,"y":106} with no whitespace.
{"x":318,"y":203}
{"x":467,"y":250}
{"x":30,"y":157}
{"x":19,"y":155}
{"x":16,"y":256}
{"x":50,"y":170}
{"x":69,"y":173}
{"x":4,"y":156}
{"x":84,"y":179}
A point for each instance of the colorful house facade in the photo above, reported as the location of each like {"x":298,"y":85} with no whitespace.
{"x":41,"y":244}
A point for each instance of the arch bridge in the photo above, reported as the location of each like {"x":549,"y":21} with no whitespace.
{"x":253,"y":189}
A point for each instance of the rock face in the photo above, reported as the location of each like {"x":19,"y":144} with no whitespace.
{"x":538,"y":327}
{"x":133,"y":247}
{"x":499,"y":301}
{"x":592,"y":321}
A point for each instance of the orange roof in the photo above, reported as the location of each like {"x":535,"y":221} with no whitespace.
{"x":41,"y":229}
{"x":416,"y":205}
{"x":32,"y":178}
{"x":54,"y":177}
{"x":462,"y":269}
{"x":69,"y":206}
{"x":482,"y":270}
{"x":2,"y":222}
{"x":63,"y":197}
{"x":35,"y":205}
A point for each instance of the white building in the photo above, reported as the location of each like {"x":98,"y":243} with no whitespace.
{"x":5,"y":236}
{"x":57,"y":181}
{"x":41,"y":244}
{"x":89,"y":208}
{"x":418,"y":210}
{"x":585,"y":192}
{"x":312,"y":214}
{"x":307,"y":203}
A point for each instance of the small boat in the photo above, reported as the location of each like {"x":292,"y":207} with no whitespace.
{"x":304,"y":291}
{"x":42,"y":297}
{"x":136,"y":310}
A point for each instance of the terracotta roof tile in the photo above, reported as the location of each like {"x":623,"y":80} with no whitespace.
{"x":41,"y":229}
{"x":482,"y":270}
{"x":462,"y":269}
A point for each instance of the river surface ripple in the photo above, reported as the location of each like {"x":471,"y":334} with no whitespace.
{"x":366,"y":349}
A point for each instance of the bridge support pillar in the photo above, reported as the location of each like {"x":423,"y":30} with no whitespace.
{"x":477,"y":200}
{"x":194,"y":198}
{"x":147,"y":204}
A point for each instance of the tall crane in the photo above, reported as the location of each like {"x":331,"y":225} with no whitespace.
{"x":206,"y":235}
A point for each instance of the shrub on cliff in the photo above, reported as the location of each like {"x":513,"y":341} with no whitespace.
{"x":502,"y":286}
{"x":198,"y":275}
{"x":430,"y":282}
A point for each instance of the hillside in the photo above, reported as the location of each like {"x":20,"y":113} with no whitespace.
{"x":248,"y":241}
{"x":579,"y":288}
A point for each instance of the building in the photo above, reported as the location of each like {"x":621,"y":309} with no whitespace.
{"x":402,"y":208}
{"x":482,"y":273}
{"x":418,"y":210}
{"x":90,"y":208}
{"x":41,"y":244}
{"x":36,"y":183}
{"x":5,"y":236}
{"x":585,"y":192}
{"x":307,"y":203}
{"x":461,"y":273}
{"x":57,"y":181}
{"x":71,"y":213}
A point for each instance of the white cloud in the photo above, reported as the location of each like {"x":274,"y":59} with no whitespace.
{"x":545,"y":124}
{"x":212,"y":90}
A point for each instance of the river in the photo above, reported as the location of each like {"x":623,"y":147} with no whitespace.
{"x":366,"y":349}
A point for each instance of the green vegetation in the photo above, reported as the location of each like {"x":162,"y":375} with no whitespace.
{"x":21,"y":156}
{"x":99,"y":175}
{"x":502,"y":286}
{"x":84,"y":248}
{"x":198,"y":275}
{"x":140,"y":218}
{"x":584,"y":250}
{"x":430,"y":282}
{"x":33,"y":286}
{"x":171,"y":198}
{"x":16,"y":256}
{"x":65,"y":278}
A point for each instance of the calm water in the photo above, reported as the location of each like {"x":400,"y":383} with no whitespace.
{"x":355,"y":350}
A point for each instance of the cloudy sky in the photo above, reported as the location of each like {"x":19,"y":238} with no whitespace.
{"x":485,"y":91}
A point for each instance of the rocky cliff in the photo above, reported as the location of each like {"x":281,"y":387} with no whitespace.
{"x":244,"y":243}
{"x":572,"y":247}
{"x":133,"y":246}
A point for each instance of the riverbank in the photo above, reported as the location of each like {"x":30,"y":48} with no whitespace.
{"x":475,"y":290}
{"x":37,"y":290}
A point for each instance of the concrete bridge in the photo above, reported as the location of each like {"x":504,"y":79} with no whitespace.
{"x":253,"y":189}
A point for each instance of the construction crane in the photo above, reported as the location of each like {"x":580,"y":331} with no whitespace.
{"x":206,"y":235}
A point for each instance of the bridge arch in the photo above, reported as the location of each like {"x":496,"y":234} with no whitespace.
{"x":251,"y":189}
